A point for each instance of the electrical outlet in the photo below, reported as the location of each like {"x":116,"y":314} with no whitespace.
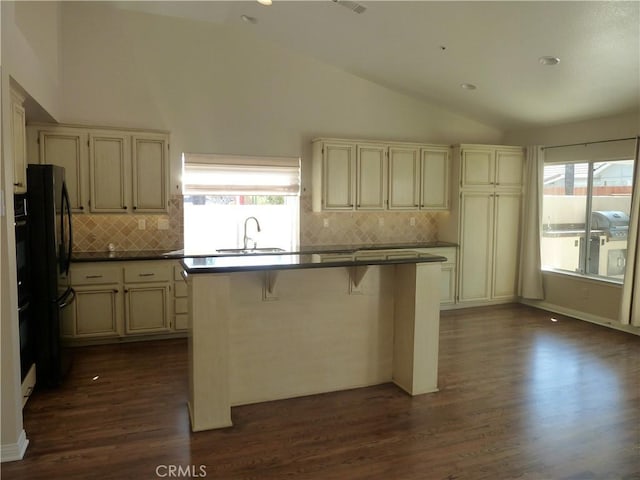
{"x":163,"y":224}
{"x":381,"y":222}
{"x":142,"y":224}
{"x":325,"y":223}
{"x":412,"y":221}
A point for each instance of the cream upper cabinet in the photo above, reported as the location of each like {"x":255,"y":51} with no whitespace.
{"x":334,"y":176}
{"x":367,"y":175}
{"x":68,"y":148}
{"x":404,"y":178}
{"x":150,"y":176}
{"x":509,"y":167}
{"x":108,"y":162}
{"x":371,"y":172}
{"x":108,"y":170}
{"x":434,"y":185}
{"x":490,"y":166}
{"x":18,"y":143}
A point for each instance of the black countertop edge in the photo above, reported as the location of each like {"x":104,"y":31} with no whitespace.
{"x":79,"y":257}
{"x":254,"y":263}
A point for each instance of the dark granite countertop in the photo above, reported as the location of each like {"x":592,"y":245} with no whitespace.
{"x":289,"y":261}
{"x":180,"y":254}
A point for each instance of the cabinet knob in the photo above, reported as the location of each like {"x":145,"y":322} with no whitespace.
{"x":81,"y":207}
{"x":124,"y":207}
{"x":19,"y":184}
{"x":135,"y":208}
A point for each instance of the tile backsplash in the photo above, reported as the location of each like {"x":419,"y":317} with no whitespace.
{"x":353,"y":228}
{"x":94,"y":233}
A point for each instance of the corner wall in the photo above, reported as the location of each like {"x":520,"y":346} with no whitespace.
{"x":583,"y":298}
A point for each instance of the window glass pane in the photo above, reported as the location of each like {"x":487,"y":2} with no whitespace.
{"x":610,"y":208}
{"x":564,"y":216}
{"x":213,"y":222}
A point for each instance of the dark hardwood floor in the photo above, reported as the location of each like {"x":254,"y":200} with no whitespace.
{"x":521,"y":397}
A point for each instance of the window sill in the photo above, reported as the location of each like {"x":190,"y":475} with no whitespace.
{"x":587,"y":278}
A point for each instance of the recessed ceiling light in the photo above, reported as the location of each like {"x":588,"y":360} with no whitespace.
{"x":468,"y":86}
{"x":248,"y":19}
{"x":549,"y":60}
{"x":265,"y":2}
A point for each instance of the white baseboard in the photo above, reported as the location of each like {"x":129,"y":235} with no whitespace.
{"x":587,"y":317}
{"x":14,"y":451}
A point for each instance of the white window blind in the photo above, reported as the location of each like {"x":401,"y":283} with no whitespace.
{"x":239,"y":175}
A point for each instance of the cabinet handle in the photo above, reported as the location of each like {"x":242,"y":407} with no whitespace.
{"x":115,"y":290}
{"x":146,"y":274}
{"x":19,"y":184}
{"x":93,"y":276}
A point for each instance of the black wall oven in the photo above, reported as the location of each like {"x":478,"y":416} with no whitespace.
{"x":25,"y":317}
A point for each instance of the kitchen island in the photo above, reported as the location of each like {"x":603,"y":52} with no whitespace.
{"x":267,"y":327}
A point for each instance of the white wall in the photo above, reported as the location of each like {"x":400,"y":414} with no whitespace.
{"x":31,"y":43}
{"x":29,"y":58}
{"x":219,"y":89}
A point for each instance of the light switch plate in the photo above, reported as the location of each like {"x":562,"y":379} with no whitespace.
{"x":142,"y":224}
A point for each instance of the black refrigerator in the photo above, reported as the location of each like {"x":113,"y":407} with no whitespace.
{"x":50,"y":246}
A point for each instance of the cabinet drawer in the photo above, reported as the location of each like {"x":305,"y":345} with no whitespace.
{"x":181,"y":305}
{"x":180,"y":289}
{"x":181,"y":321}
{"x":94,"y":275}
{"x":147,"y":273}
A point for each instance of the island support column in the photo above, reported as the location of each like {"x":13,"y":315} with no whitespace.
{"x":209,"y":405}
{"x":416,"y":327}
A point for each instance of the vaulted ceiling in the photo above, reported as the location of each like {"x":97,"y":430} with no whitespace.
{"x":429,"y":49}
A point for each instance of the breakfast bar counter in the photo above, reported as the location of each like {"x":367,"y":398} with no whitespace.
{"x":268,"y":327}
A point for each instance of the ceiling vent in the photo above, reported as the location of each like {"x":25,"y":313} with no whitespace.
{"x":353,"y":6}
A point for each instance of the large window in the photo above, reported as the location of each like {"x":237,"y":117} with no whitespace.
{"x":586,"y":210}
{"x":222,"y":193}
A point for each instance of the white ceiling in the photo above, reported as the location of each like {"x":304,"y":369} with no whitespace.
{"x":427,"y":49}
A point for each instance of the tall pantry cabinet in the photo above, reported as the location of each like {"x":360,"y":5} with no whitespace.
{"x":485,"y":221}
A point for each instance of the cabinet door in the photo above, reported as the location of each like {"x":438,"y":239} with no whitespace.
{"x":476,"y":246}
{"x":338,"y":176}
{"x":404,"y":178}
{"x":505,"y":245}
{"x":95,"y":313}
{"x":434,"y":191}
{"x":19,"y":146}
{"x":146,"y":308}
{"x":371,"y":189}
{"x":68,"y":148}
{"x":108,"y":160}
{"x":477,"y":167}
{"x":509,"y":168}
{"x":150,"y":179}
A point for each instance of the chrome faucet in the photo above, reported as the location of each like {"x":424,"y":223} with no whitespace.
{"x":246,"y":237}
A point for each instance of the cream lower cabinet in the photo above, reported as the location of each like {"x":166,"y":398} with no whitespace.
{"x":97,"y":309}
{"x":448,"y":277}
{"x":489,"y":230}
{"x":123,"y":299}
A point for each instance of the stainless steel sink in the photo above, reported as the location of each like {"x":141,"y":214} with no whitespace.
{"x":246,"y":251}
